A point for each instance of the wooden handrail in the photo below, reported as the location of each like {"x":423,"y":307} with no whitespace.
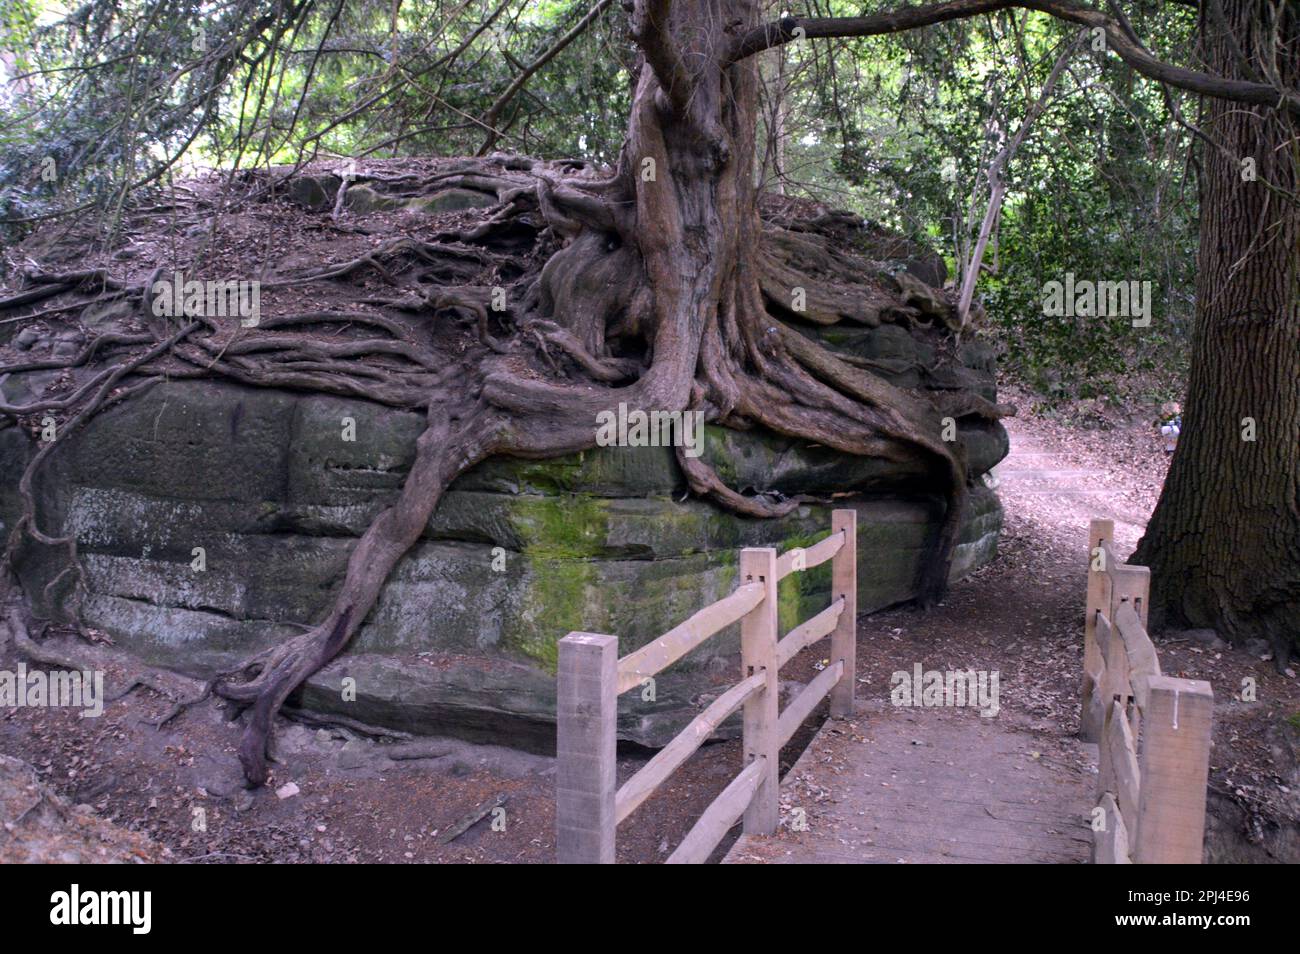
{"x":591,"y":677}
{"x":798,"y":559}
{"x":717,"y":819}
{"x":653,"y":658}
{"x":1126,"y":776}
{"x":668,"y":759}
{"x":1111,"y":845}
{"x":1151,"y":797}
{"x":810,"y":631}
{"x":1141,"y":652}
{"x":802,"y":705}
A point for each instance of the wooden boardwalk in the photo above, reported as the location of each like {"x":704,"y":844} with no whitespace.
{"x":902,"y":785}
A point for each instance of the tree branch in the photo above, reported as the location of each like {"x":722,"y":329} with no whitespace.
{"x":997,"y":180}
{"x":910,"y":18}
{"x":650,"y":29}
{"x":494,"y":111}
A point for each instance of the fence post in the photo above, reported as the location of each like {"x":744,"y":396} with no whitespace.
{"x":1174,"y":768}
{"x":758,"y":636}
{"x":1132,"y":585}
{"x":586,"y":710}
{"x":1090,"y":725}
{"x":844,"y":585}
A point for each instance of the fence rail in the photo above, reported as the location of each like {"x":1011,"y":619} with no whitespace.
{"x":1152,"y":731}
{"x":589,"y":806}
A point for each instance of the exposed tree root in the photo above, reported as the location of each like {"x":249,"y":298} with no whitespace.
{"x":352,"y":726}
{"x":81,"y":658}
{"x":705,"y":482}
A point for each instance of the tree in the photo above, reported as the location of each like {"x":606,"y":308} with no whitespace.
{"x":972,"y":262}
{"x":665,"y":289}
{"x":1224,"y":541}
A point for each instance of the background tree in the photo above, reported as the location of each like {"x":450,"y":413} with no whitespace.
{"x":1224,"y":541}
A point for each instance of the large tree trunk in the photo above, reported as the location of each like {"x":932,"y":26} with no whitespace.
{"x":1224,"y":541}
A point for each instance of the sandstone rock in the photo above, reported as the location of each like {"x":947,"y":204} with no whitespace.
{"x":894,"y":353}
{"x":361,"y":200}
{"x":922,"y":296}
{"x":314,"y":192}
{"x":519,"y":553}
{"x":451,"y":200}
{"x":15,"y":452}
{"x":24,"y":389}
{"x":318,"y":192}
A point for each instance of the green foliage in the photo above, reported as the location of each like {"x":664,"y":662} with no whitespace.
{"x":122,"y":94}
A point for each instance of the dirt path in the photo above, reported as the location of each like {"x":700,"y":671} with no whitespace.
{"x":931,"y":786}
{"x":940,"y":784}
{"x":1057,"y":493}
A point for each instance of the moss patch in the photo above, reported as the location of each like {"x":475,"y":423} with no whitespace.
{"x":565,"y":533}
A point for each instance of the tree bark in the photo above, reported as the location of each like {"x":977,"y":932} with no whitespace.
{"x":1224,"y":541}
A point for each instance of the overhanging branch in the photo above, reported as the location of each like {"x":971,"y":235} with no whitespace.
{"x":1131,"y":52}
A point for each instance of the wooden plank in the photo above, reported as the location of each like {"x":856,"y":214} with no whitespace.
{"x":718,"y":818}
{"x":1175,"y":768}
{"x":1115,"y":682}
{"x":802,"y":705}
{"x":1103,"y":631}
{"x":808,"y":632}
{"x":1112,"y":694}
{"x":971,"y":793}
{"x":1089,"y":719}
{"x":1092,"y":718}
{"x":1116,"y":679}
{"x":655,"y":656}
{"x":1129,"y":586}
{"x":1126,"y":777}
{"x":758,"y":636}
{"x":586,"y":714}
{"x":1110,"y":844}
{"x":653,"y":774}
{"x":1112,"y":565}
{"x":799,"y":559}
{"x":1141,"y":652}
{"x":844,"y":586}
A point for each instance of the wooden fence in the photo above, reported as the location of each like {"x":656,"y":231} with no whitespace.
{"x":588,"y":808}
{"x":1152,"y":731}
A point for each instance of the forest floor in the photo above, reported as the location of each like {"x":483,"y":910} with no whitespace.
{"x":338,"y":796}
